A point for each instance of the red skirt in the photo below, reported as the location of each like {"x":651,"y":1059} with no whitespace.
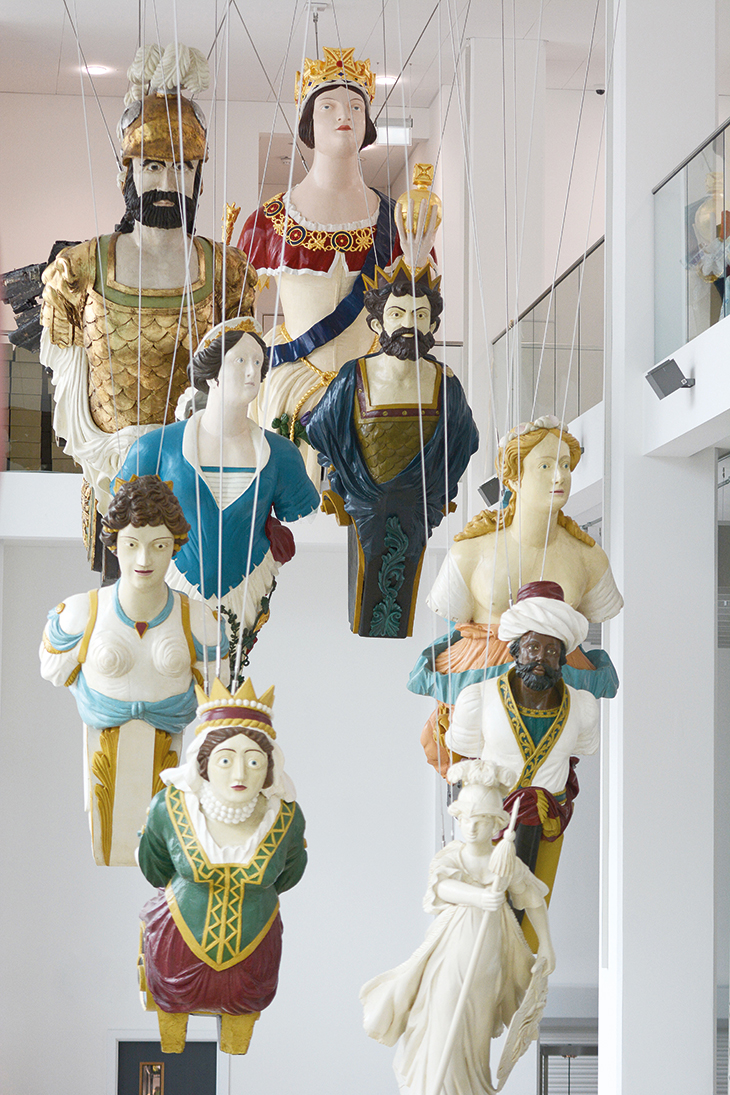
{"x":181,"y":982}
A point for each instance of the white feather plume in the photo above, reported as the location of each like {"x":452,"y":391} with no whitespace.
{"x":139,"y":73}
{"x":155,"y":70}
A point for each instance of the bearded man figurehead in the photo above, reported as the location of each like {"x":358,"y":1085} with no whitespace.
{"x":542,"y":629}
{"x":164,"y":144}
{"x":404,"y":310}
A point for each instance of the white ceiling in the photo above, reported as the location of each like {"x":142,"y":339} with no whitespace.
{"x":38,"y":48}
{"x":40,"y":54}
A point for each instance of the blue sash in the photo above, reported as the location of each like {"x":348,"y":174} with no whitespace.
{"x":172,"y":714}
{"x":57,"y":637}
{"x":349,"y":308}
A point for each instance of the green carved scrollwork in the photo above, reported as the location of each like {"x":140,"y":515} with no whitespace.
{"x":387,"y":613}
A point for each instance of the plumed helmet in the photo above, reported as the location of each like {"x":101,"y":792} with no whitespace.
{"x":156,"y":126}
{"x":159,"y":117}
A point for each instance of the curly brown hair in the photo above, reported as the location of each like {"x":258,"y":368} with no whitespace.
{"x":144,"y":500}
{"x":375,"y":300}
{"x":223,"y":733}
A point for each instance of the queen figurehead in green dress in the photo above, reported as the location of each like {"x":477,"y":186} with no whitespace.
{"x":221,"y":842}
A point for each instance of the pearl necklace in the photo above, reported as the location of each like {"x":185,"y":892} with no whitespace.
{"x":216,"y":810}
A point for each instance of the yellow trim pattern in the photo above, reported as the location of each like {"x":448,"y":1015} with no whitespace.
{"x":347,"y":240}
{"x":398,"y":407}
{"x":90,"y":624}
{"x":533,"y":755}
{"x":220,"y":945}
{"x":104,"y":767}
{"x":47,"y":646}
{"x":185,"y":620}
{"x":163,"y":757}
{"x":73,"y":675}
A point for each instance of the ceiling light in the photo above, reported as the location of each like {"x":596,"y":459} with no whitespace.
{"x":400,"y":134}
{"x":385,"y":81}
{"x":95,"y":70}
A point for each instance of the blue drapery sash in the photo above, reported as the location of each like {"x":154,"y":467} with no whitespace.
{"x":350,"y":306}
{"x":172,"y":714}
{"x":57,"y":637}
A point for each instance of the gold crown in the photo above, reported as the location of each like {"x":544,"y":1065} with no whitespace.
{"x":242,"y":708}
{"x":401,"y":274}
{"x":338,"y":67}
{"x":238,"y":323}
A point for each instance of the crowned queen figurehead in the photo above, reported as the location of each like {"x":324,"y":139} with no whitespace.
{"x":320,"y":240}
{"x":221,"y":842}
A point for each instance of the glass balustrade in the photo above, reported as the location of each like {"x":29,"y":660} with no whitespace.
{"x":551,"y":361}
{"x":691,"y":249}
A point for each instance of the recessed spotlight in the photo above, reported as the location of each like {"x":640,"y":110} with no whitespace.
{"x":385,"y":81}
{"x":95,"y":70}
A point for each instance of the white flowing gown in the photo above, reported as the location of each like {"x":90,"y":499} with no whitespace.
{"x":415,"y":1001}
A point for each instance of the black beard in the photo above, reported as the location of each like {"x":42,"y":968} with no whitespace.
{"x":538,"y":682}
{"x":159,"y":216}
{"x":403,"y":345}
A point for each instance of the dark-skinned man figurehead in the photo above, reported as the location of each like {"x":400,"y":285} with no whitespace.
{"x":529,"y":721}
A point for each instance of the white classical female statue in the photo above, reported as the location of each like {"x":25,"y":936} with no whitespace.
{"x":500,"y":551}
{"x":474,"y":974}
{"x":131,"y":654}
{"x":321,"y":237}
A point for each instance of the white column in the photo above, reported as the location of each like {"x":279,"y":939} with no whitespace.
{"x":656,"y":989}
{"x":491,"y":291}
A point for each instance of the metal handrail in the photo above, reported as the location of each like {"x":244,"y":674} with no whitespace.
{"x":713,"y":137}
{"x":563,"y":276}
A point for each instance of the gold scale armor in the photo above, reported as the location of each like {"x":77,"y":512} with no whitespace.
{"x":390,"y":437}
{"x":137,"y":343}
{"x":133,"y":349}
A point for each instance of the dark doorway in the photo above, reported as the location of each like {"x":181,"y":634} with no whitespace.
{"x":191,"y":1072}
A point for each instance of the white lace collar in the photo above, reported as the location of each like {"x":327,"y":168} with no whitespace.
{"x":295,"y":215}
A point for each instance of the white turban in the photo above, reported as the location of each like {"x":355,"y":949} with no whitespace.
{"x":547,"y":616}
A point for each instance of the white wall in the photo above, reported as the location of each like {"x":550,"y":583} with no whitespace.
{"x":657,"y":979}
{"x":569,"y":132}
